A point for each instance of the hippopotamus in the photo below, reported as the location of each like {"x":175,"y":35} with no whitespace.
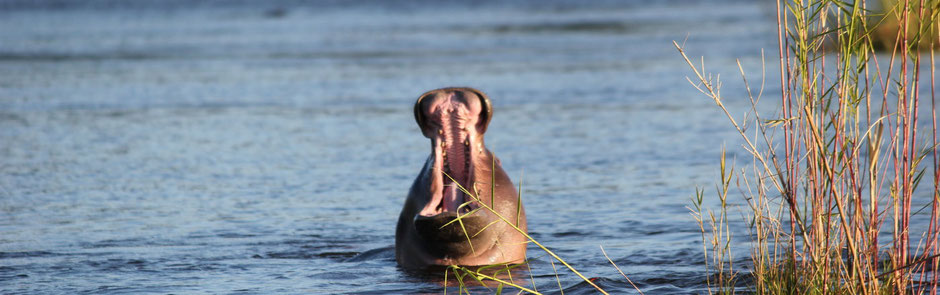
{"x":455,"y":119}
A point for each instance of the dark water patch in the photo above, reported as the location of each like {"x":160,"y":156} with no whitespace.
{"x":109,"y":243}
{"x":374,"y":54}
{"x":299,"y":255}
{"x":119,"y":264}
{"x":687,"y":281}
{"x":660,"y":229}
{"x":385,"y":253}
{"x":5,"y":277}
{"x":336,"y":248}
{"x":278,"y":12}
{"x":186,"y":267}
{"x":232,"y":235}
{"x":669,"y":290}
{"x":28,"y":254}
{"x":14,"y":118}
{"x":576,"y":26}
{"x":8,"y":273}
{"x":653,"y":258}
{"x":66,"y":57}
{"x":109,"y":289}
{"x":570,"y":234}
{"x":679,"y":280}
{"x":609,"y":285}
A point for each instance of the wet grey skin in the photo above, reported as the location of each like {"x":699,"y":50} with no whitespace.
{"x":455,"y":119}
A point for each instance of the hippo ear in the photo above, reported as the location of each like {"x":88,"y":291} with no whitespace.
{"x":487,"y":113}
{"x":419,"y":115}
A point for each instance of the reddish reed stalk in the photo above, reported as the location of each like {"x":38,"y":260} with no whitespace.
{"x":850,"y":163}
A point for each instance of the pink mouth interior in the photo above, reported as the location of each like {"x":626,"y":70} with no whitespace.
{"x":451,"y":122}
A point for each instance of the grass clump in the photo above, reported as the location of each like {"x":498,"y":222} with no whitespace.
{"x":837,"y":172}
{"x":498,"y":276}
{"x":501,"y":274}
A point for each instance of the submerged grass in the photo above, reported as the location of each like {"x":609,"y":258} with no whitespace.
{"x":835,"y":174}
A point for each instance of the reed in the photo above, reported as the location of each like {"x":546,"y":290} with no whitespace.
{"x":836,"y":171}
{"x":716,"y":235}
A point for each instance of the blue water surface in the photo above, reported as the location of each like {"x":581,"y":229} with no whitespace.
{"x":249,"y":147}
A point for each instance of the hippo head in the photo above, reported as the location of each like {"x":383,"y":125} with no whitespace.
{"x":459,"y":177}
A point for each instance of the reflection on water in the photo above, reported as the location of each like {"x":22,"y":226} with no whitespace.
{"x":240,"y":147}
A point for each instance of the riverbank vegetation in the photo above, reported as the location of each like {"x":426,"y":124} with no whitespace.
{"x":841,"y":193}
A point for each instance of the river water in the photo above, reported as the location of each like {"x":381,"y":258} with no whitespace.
{"x":244,"y":147}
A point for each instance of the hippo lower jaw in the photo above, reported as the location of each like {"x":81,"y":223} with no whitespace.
{"x":446,"y":236}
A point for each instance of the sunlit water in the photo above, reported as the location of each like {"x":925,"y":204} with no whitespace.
{"x":154,"y":147}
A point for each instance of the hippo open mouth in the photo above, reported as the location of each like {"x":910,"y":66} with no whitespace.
{"x":454,"y":122}
{"x":459,"y":177}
